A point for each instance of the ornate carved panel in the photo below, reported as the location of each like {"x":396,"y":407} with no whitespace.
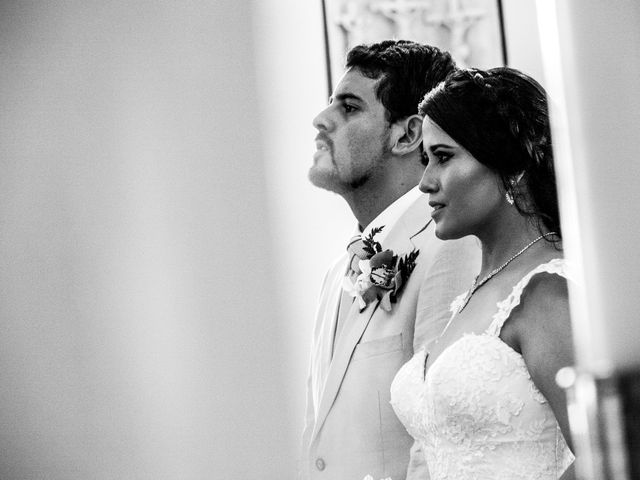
{"x":469,"y":29}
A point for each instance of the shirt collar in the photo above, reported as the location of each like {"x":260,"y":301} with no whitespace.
{"x":390,"y":215}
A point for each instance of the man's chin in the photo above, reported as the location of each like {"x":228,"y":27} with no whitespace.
{"x":324,"y":179}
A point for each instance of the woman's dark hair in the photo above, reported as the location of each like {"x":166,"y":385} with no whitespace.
{"x":501,"y":117}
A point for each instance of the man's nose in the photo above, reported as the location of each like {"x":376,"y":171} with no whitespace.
{"x":322,"y":121}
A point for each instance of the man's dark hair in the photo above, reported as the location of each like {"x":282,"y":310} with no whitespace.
{"x":407,"y":71}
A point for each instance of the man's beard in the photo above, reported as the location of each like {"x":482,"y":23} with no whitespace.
{"x":361,"y":181}
{"x":331,"y":180}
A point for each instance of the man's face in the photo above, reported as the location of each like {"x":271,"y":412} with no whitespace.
{"x":353,"y":136}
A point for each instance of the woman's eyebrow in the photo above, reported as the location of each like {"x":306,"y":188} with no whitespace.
{"x":435,"y":147}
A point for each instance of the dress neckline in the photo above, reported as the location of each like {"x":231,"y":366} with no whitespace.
{"x":464,"y":336}
{"x":487,"y":332}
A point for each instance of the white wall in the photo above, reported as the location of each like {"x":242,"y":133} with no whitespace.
{"x":138,"y":331}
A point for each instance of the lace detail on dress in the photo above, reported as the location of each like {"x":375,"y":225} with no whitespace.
{"x":477,"y":413}
{"x":505,"y":307}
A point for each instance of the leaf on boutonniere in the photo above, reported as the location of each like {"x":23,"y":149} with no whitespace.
{"x":407,"y":264}
{"x":370,"y":245}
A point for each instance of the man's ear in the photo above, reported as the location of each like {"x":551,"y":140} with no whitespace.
{"x":407,"y":135}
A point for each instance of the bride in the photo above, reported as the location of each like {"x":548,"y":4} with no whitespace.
{"x":482,"y":401}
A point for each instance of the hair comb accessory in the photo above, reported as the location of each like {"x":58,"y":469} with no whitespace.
{"x":477,"y":78}
{"x":481,"y":79}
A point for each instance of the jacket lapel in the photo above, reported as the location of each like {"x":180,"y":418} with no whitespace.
{"x":399,"y":239}
{"x":349,"y":338}
{"x":323,"y":349}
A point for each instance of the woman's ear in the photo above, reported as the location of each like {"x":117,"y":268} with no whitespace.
{"x":408,"y":135}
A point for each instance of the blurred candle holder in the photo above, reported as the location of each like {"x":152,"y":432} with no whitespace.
{"x":604,"y":415}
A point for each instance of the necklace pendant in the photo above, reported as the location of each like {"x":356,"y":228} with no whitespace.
{"x":466,"y":299}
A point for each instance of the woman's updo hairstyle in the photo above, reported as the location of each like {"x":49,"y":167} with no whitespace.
{"x":500,"y":116}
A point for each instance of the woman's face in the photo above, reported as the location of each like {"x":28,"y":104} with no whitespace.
{"x":465,"y":194}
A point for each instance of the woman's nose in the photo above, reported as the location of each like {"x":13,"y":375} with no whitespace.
{"x":428,"y":184}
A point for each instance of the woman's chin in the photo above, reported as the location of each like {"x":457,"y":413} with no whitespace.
{"x":441,"y":234}
{"x":445,"y":234}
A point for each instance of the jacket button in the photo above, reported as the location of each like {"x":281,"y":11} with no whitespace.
{"x":320,"y":465}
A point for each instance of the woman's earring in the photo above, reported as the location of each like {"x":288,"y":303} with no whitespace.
{"x":513,"y":183}
{"x":509,"y":196}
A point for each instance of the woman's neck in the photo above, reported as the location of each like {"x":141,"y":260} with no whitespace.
{"x":499,"y":245}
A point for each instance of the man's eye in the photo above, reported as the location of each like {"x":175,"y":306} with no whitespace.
{"x":349,"y":108}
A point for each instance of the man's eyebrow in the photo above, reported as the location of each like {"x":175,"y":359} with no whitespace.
{"x":345,"y":96}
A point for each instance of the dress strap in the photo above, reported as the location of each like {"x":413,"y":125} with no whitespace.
{"x":505,"y":307}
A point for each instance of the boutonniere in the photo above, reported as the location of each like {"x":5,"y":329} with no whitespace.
{"x":383,"y":274}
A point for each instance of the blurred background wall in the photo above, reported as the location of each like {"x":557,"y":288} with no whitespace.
{"x":161,"y":250}
{"x":138,"y":336}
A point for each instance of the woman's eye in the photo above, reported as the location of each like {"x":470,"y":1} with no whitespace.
{"x":442,"y":156}
{"x":424,"y":158}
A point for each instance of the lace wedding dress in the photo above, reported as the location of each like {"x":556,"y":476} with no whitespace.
{"x":476,"y":413}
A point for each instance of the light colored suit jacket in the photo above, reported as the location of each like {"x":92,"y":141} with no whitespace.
{"x":350,"y":427}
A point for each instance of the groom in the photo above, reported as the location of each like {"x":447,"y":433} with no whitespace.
{"x":369,"y":322}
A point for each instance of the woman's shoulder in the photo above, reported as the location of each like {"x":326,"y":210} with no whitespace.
{"x":545,"y":281}
{"x":540,"y":297}
{"x":543,"y":298}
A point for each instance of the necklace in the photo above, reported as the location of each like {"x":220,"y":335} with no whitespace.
{"x":476,"y":285}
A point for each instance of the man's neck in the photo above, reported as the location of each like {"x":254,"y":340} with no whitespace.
{"x":399,"y":175}
{"x":366,"y":206}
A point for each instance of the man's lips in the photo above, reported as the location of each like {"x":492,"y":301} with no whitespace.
{"x":323,"y":143}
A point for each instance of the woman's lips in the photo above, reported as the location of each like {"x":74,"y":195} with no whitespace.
{"x":437,"y":209}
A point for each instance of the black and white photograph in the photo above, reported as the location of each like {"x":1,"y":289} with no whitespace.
{"x":319,"y":240}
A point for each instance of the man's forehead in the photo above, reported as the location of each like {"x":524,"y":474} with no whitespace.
{"x":354,"y":83}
